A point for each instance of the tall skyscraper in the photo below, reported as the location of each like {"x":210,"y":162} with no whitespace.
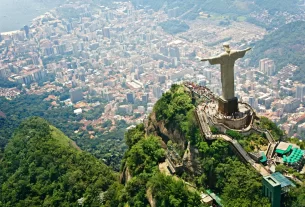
{"x":35,"y":60}
{"x":48,"y":51}
{"x":106,"y":32}
{"x":76,"y":94}
{"x":157,"y":91}
{"x":109,"y":15}
{"x":130,"y":97}
{"x":174,"y":62}
{"x":164,"y":51}
{"x":27,"y":31}
{"x":60,"y":49}
{"x":253,"y":102}
{"x":145,"y":98}
{"x":300,"y":91}
{"x":69,"y":27}
{"x":75,"y":46}
{"x":267,"y":66}
{"x":161,"y":79}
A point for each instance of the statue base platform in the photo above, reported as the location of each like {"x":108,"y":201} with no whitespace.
{"x":228,"y":107}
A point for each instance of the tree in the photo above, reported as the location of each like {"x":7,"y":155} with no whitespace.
{"x":296,"y":197}
{"x":90,"y":128}
{"x":145,"y":155}
{"x":276,"y":132}
{"x":41,"y":166}
{"x":171,"y":193}
{"x":241,"y":185}
{"x":134,"y":135}
{"x":214,"y":130}
{"x":234,"y":134}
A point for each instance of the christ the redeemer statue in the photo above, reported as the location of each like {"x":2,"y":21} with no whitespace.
{"x":226,"y":61}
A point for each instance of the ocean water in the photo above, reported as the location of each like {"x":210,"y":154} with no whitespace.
{"x":14,"y":14}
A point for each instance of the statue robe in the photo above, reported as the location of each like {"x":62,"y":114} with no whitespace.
{"x":226,"y":61}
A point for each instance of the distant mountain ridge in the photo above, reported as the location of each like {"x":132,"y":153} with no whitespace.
{"x":284,"y":46}
{"x":239,"y":7}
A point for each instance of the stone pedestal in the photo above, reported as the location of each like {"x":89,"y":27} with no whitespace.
{"x":228,"y":107}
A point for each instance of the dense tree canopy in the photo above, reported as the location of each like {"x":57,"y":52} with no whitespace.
{"x":42,"y":167}
{"x":172,"y":193}
{"x":276,"y":132}
{"x":241,"y":185}
{"x":132,"y":136}
{"x":176,"y":110}
{"x":141,"y":160}
{"x":5,"y":83}
{"x":296,"y":197}
{"x":145,"y":155}
{"x":220,"y":170}
{"x":109,"y":147}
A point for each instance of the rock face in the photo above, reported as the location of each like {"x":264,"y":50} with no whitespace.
{"x":190,"y":163}
{"x":150,"y":198}
{"x":154,"y":127}
{"x":125,"y":176}
{"x":159,"y":129}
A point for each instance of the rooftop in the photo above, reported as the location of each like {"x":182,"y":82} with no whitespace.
{"x":264,"y":158}
{"x":295,"y":156}
{"x":282,"y":180}
{"x":283,"y":148}
{"x":271,"y":180}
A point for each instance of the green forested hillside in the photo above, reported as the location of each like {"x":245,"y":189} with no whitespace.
{"x":141,"y":160}
{"x":109,"y":147}
{"x":219,"y":169}
{"x":284,"y":46}
{"x":42,"y":167}
{"x":278,"y":6}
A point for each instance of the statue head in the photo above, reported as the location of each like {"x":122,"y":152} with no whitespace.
{"x":226,"y":46}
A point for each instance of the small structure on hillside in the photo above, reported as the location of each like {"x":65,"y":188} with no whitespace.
{"x":283,"y":148}
{"x":174,"y":162}
{"x":215,"y":197}
{"x":274,"y":186}
{"x":206,"y":199}
{"x":78,"y":111}
{"x":290,"y":155}
{"x":259,"y":156}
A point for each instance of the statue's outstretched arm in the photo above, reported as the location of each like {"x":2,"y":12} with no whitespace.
{"x":213,"y":60}
{"x":249,"y":48}
{"x":239,"y":53}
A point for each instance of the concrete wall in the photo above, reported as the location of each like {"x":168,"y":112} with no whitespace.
{"x":236,"y":123}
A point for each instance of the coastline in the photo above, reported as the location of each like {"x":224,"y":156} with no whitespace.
{"x":9,"y":33}
{"x":15,"y":14}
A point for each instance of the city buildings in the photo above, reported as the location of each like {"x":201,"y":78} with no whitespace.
{"x":267,"y":66}
{"x":76,"y":94}
{"x":122,"y":56}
